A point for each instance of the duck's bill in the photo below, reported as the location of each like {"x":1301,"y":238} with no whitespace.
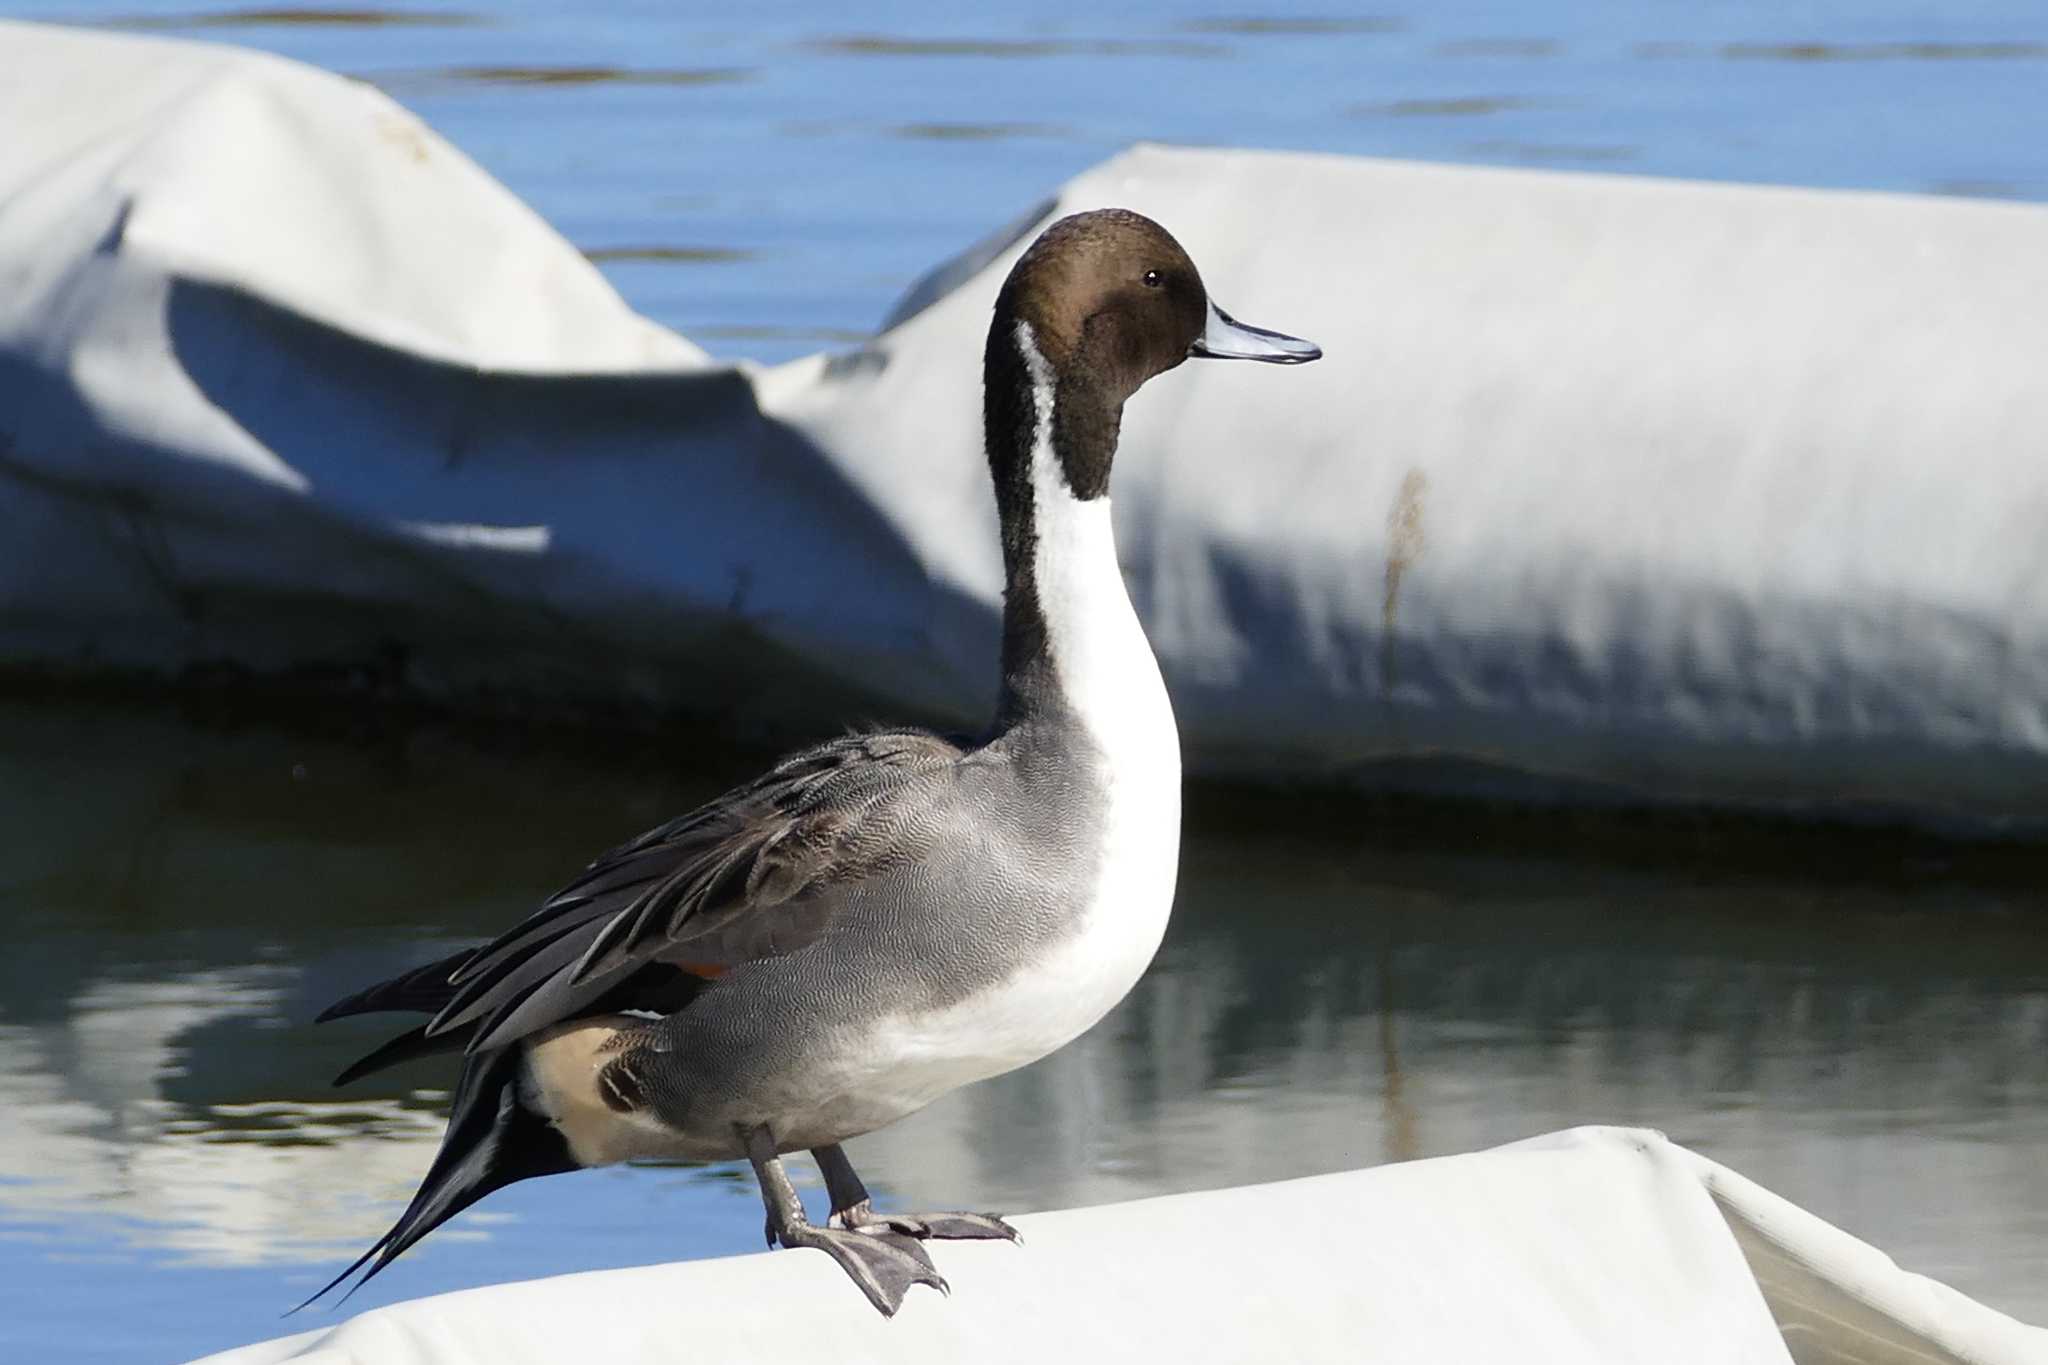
{"x":1225,"y":338}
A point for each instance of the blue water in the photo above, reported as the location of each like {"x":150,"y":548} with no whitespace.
{"x":182,"y":895}
{"x":823,"y":156}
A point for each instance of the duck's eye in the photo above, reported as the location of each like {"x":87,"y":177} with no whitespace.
{"x":1153,"y":279}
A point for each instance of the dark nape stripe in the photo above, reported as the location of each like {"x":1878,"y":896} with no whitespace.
{"x":1010,"y":425}
{"x":1086,"y":420}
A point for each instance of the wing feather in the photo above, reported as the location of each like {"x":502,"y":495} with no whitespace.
{"x":752,"y":874}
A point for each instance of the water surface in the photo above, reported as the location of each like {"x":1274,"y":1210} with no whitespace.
{"x":806,"y":161}
{"x":1863,"y":1031}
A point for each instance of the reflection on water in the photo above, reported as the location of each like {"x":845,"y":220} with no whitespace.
{"x":1337,"y":990}
{"x":1978,"y":189}
{"x":1259,"y":25}
{"x":402,"y":84}
{"x":1524,"y":48}
{"x":1468,"y":106}
{"x":889,"y":45}
{"x":1885,"y":52}
{"x":696,"y":255}
{"x":1540,"y":153}
{"x":978,"y":132}
{"x":296,"y":16}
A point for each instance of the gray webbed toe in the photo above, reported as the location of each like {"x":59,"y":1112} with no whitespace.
{"x":884,"y":1263}
{"x":944,"y":1227}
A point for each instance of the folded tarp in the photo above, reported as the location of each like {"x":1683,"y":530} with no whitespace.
{"x":1607,"y":487}
{"x":1594,"y":1245}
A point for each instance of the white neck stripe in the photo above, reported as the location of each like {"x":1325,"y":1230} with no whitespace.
{"x":1099,"y":651}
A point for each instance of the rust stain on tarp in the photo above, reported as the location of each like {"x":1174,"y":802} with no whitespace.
{"x":1405,"y":543}
{"x":404,"y":134}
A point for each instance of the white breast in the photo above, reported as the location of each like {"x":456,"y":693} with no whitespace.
{"x":1112,"y":682}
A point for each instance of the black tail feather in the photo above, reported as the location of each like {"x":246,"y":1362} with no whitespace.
{"x":492,"y":1141}
{"x":427,"y":990}
{"x":423,"y":990}
{"x":404,"y":1048}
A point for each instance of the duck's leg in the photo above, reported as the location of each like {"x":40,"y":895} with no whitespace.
{"x":882,"y":1261}
{"x":851,"y":1207}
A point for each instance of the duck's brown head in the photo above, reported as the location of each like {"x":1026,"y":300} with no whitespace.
{"x":1110,"y":296}
{"x":1100,"y":303}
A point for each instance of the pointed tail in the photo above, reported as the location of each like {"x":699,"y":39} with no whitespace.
{"x":492,"y":1141}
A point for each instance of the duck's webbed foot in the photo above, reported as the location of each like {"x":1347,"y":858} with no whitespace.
{"x":882,"y":1261}
{"x":943,"y":1226}
{"x":851,"y":1208}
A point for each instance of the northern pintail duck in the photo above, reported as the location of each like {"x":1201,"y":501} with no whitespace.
{"x":880,"y":919}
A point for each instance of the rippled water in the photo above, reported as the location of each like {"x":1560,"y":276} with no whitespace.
{"x":1861,"y":1027}
{"x":767,"y":178}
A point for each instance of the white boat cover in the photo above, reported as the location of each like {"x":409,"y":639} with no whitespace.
{"x":1582,"y":1247}
{"x":1606,"y":487}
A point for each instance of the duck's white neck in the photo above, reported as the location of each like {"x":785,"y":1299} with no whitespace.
{"x":1103,"y":663}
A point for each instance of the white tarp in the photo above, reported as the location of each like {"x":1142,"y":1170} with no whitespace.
{"x":1594,"y":1245}
{"x":1623,"y":486}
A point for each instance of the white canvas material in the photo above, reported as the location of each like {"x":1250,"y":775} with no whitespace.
{"x":1583,"y":1247}
{"x":1636,"y":488}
